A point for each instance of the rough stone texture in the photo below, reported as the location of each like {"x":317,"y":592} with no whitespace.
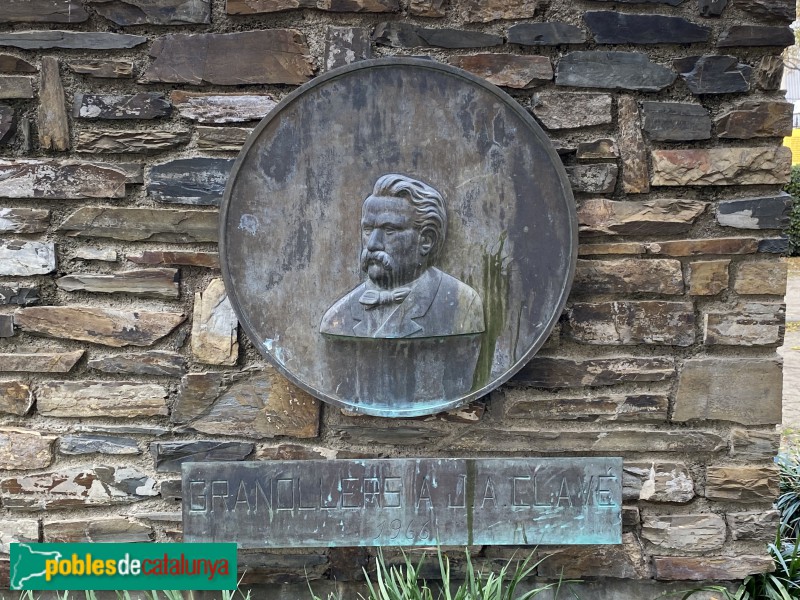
{"x":779,"y":245}
{"x":214,"y":326}
{"x":142,"y":224}
{"x":18,"y":295}
{"x":39,"y":40}
{"x":155,"y":362}
{"x":707,"y":277}
{"x":762,"y":277}
{"x":15,"y":87}
{"x":750,"y":324}
{"x":769,"y":73}
{"x":753,"y":446}
{"x":346,"y":45}
{"x":427,"y":8}
{"x":603,"y":148}
{"x":250,"y":57}
{"x":483,"y":11}
{"x":626,"y":560}
{"x":15,"y":531}
{"x":19,"y":258}
{"x":16,"y":398}
{"x":24,"y":449}
{"x":110,"y":327}
{"x":100,"y":399}
{"x":714,"y":74}
{"x":404,"y":35}
{"x":657,"y":482}
{"x":57,"y":180}
{"x":522,"y":404}
{"x":40,"y":362}
{"x":43,"y":11}
{"x":613,"y":70}
{"x":74,"y":445}
{"x":6,"y":326}
{"x":88,"y":253}
{"x":723,"y":389}
{"x":8,"y":124}
{"x":628,"y":275}
{"x":199,"y":181}
{"x":508,"y":70}
{"x":169,"y":456}
{"x":137,"y":141}
{"x":753,"y":525}
{"x":24,"y":220}
{"x":756,"y":119}
{"x":722,"y":166}
{"x":640,"y":322}
{"x":51,"y":119}
{"x":711,"y":8}
{"x":162,"y":12}
{"x":147,"y":283}
{"x":611,"y":27}
{"x":557,"y":373}
{"x":144,"y":105}
{"x":545,"y":34}
{"x":741,"y":245}
{"x":105,"y":531}
{"x":694,"y":532}
{"x":221,"y":139}
{"x":593,"y":179}
{"x":221,"y":108}
{"x":756,"y":35}
{"x":675,"y":121}
{"x":14,"y":64}
{"x":698,"y":568}
{"x":251,"y":7}
{"x":633,"y":150}
{"x":102,"y":69}
{"x":189,"y":259}
{"x":770,"y":212}
{"x":769,"y":9}
{"x":571,"y":110}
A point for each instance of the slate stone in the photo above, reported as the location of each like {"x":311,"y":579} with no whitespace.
{"x":51,"y":118}
{"x":24,"y":220}
{"x":571,"y":110}
{"x":221,"y":139}
{"x":102,"y":69}
{"x":15,"y":531}
{"x":556,"y":373}
{"x":753,"y":525}
{"x":19,"y":295}
{"x":722,"y":166}
{"x":600,"y":149}
{"x":100,"y":399}
{"x":748,"y":324}
{"x":14,"y":64}
{"x":613,"y":70}
{"x":768,"y":212}
{"x":711,"y":8}
{"x":143,"y":224}
{"x":16,"y":398}
{"x":144,"y":105}
{"x":6,"y":326}
{"x":222,"y":108}
{"x":43,"y":11}
{"x":8,"y":125}
{"x":755,"y":35}
{"x":147,"y":12}
{"x":156,"y":362}
{"x":626,"y":560}
{"x":675,"y":121}
{"x":199,"y":181}
{"x":778,"y":245}
{"x":40,"y":362}
{"x":631,"y":323}
{"x":100,"y":254}
{"x":723,"y":389}
{"x":633,"y":150}
{"x":660,"y":481}
{"x":113,"y":530}
{"x":750,"y":445}
{"x":74,"y":445}
{"x":427,"y":8}
{"x":137,"y":141}
{"x":182,"y":258}
{"x":744,"y":484}
{"x":599,"y":216}
{"x":783,"y":10}
{"x":693,"y":532}
{"x":484,"y":11}
{"x":20,"y":258}
{"x":707,"y":277}
{"x":252,"y":7}
{"x":612,"y":27}
{"x":628,"y":275}
{"x":738,"y":245}
{"x":214,"y":326}
{"x":522,"y":404}
{"x":545,"y":34}
{"x":76,"y":40}
{"x":244,"y":58}
{"x":16,"y":87}
{"x":169,"y":456}
{"x":73,"y":487}
{"x":24,"y":449}
{"x":761,"y":277}
{"x":613,"y":248}
{"x":149,"y":430}
{"x":770,"y":73}
{"x":669,"y":2}
{"x":699,"y":568}
{"x":756,"y":119}
{"x":405,"y":35}
{"x":146,"y":283}
{"x":593,"y":179}
{"x":507,"y":70}
{"x":346,"y":45}
{"x":714,"y":74}
{"x":110,"y":327}
{"x":57,"y":180}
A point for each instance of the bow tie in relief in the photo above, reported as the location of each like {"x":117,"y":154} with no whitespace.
{"x":374,"y":298}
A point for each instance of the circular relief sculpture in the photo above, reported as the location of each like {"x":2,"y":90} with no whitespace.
{"x":398,"y":237}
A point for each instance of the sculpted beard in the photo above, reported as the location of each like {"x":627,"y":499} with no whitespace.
{"x":377,"y":264}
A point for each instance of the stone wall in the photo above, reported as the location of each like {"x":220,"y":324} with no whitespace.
{"x":121,"y":357}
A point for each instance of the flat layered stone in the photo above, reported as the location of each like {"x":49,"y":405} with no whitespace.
{"x":628,"y":276}
{"x":155,"y":362}
{"x":100,"y":399}
{"x":624,"y":561}
{"x":16,"y":87}
{"x":169,"y":456}
{"x":17,"y":530}
{"x":572,"y":110}
{"x":723,"y":389}
{"x":508,"y":70}
{"x":675,"y":121}
{"x":144,"y":105}
{"x":770,"y":72}
{"x":102,"y":69}
{"x":99,"y":254}
{"x":754,"y":446}
{"x":105,"y":326}
{"x":260,"y":406}
{"x":22,"y":259}
{"x":199,"y":181}
{"x":24,"y":220}
{"x":695,"y":532}
{"x":43,"y":11}
{"x":612,"y":248}
{"x":698,"y":568}
{"x":768,"y":212}
{"x":222,"y":108}
{"x":6,"y":326}
{"x":593,"y":179}
{"x":612,"y":27}
{"x":779,"y":245}
{"x":346,"y":45}
{"x":633,"y":150}
{"x":711,"y":8}
{"x":74,"y":445}
{"x":214,"y":326}
{"x":621,"y":408}
{"x":113,"y":530}
{"x":149,"y":430}
{"x":722,"y":166}
{"x":76,"y":487}
{"x":669,"y":2}
{"x":756,"y":119}
{"x":70,"y":40}
{"x":613,"y":70}
{"x":660,"y":481}
{"x":600,"y":149}
{"x":8,"y":124}
{"x":554,"y":373}
{"x":51,"y":117}
{"x":222,"y":139}
{"x":136,"y":141}
{"x":753,"y":525}
{"x":714,"y":74}
{"x":40,"y":362}
{"x":750,"y":324}
{"x":708,"y":277}
{"x":143,"y":224}
{"x":16,"y":398}
{"x":19,"y":295}
{"x":484,"y":11}
{"x":183,"y":258}
{"x":14,"y":64}
{"x":762,"y":277}
{"x":243,"y":58}
{"x":427,"y":8}
{"x":545,"y":34}
{"x":24,"y":449}
{"x":741,"y":245}
{"x":147,"y":12}
{"x":632,"y":322}
{"x":405,"y":35}
{"x":769,"y":9}
{"x":60,"y":180}
{"x":756,"y":35}
{"x":146,"y":283}
{"x":293,"y":452}
{"x":253,"y":7}
{"x":744,"y":484}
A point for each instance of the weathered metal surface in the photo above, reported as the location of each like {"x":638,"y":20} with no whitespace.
{"x":398,"y":237}
{"x":404,"y":502}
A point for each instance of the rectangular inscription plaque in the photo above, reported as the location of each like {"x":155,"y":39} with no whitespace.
{"x":404,"y":502}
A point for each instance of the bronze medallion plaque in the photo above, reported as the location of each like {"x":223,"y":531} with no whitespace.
{"x":398,"y":237}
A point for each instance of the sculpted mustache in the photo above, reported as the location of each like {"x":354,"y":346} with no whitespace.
{"x":378,"y":255}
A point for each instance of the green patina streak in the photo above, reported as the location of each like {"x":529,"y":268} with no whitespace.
{"x":494,"y":289}
{"x":469,"y":497}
